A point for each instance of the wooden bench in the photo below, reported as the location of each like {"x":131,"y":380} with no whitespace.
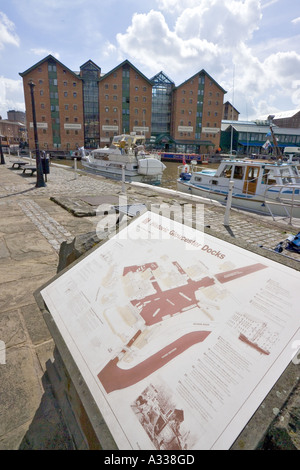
{"x":18,"y":163}
{"x":31,"y":168}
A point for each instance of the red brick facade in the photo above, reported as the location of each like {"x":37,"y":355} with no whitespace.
{"x":70,"y":109}
{"x":230,"y":113}
{"x":125,"y":104}
{"x":287,"y":120}
{"x":197,"y":112}
{"x":113,"y":100}
{"x":68,"y":120}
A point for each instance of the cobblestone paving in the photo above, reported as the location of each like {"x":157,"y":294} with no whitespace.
{"x":49,"y":228}
{"x":65,"y":183}
{"x":61,"y":181}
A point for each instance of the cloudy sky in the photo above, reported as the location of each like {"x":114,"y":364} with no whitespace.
{"x":250,"y":47}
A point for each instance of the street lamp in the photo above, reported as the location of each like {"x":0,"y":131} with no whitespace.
{"x":39,"y":169}
{"x":2,"y":161}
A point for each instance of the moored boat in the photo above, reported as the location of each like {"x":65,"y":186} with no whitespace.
{"x":261,"y":186}
{"x":126,"y":157}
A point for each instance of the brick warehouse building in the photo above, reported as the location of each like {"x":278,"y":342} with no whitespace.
{"x":87,"y":108}
{"x":197,"y":113}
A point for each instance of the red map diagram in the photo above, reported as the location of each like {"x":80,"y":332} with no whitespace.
{"x":153,"y":308}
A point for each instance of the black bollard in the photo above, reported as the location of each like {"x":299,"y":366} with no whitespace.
{"x":2,"y":161}
{"x":39,"y":170}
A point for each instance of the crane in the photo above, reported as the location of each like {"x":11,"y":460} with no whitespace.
{"x":277,"y":149}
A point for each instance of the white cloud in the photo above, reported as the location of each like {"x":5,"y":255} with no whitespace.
{"x":284,"y":67}
{"x":176,"y":6}
{"x":225,"y":23}
{"x":268,"y":4}
{"x":11,"y":96}
{"x":269,"y":84}
{"x":109,"y":49}
{"x":44,"y":52}
{"x":209,"y":34}
{"x":149,"y":41}
{"x":215,"y":35}
{"x":296,"y":20}
{"x":7,"y":32}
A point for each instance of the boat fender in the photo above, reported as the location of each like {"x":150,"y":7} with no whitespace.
{"x":185,"y":176}
{"x":293,"y":243}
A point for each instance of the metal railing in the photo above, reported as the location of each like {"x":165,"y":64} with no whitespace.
{"x":287,"y":204}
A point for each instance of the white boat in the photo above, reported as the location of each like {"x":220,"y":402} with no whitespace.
{"x":261,"y":186}
{"x":126,"y":157}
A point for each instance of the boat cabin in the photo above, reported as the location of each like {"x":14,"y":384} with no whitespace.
{"x":249,"y":175}
{"x":124,"y":147}
{"x":128,"y":141}
{"x":259,"y":185}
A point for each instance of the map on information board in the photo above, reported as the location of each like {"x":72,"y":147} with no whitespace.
{"x":178,"y":335}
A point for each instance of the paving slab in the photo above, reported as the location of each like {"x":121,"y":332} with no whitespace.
{"x":10,"y":224}
{"x":12,"y":329}
{"x":19,"y":294}
{"x":4,"y":253}
{"x":36,"y":329}
{"x":18,"y":270}
{"x":27,"y":245}
{"x":20,"y":389}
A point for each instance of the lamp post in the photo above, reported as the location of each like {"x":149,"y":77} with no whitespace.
{"x":39,"y":170}
{"x":2,"y":161}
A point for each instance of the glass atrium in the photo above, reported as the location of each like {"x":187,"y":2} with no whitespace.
{"x":90,"y":75}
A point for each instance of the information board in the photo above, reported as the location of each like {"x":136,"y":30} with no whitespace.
{"x":178,"y":335}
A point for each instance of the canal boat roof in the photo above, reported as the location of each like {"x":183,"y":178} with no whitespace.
{"x":245,"y":162}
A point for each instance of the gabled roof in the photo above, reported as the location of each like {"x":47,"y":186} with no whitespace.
{"x":126,"y":62}
{"x":203,"y":72}
{"x":49,"y":57}
{"x":90,"y":62}
{"x":286,"y":114}
{"x":164,"y":136}
{"x":11,"y":123}
{"x":280,"y":114}
{"x":228,"y":102}
{"x":251,"y":127}
{"x":161,"y":77}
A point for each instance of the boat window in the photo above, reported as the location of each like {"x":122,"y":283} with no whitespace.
{"x":286,"y":176}
{"x":238,"y":173}
{"x":253,"y":173}
{"x":215,"y":182}
{"x":271,"y":177}
{"x":197,"y":178}
{"x":226,"y":173}
{"x":265,"y":176}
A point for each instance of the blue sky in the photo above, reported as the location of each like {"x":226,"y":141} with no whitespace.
{"x":250,"y":47}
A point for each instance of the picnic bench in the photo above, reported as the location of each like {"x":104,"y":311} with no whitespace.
{"x":31,"y":168}
{"x":18,"y":163}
